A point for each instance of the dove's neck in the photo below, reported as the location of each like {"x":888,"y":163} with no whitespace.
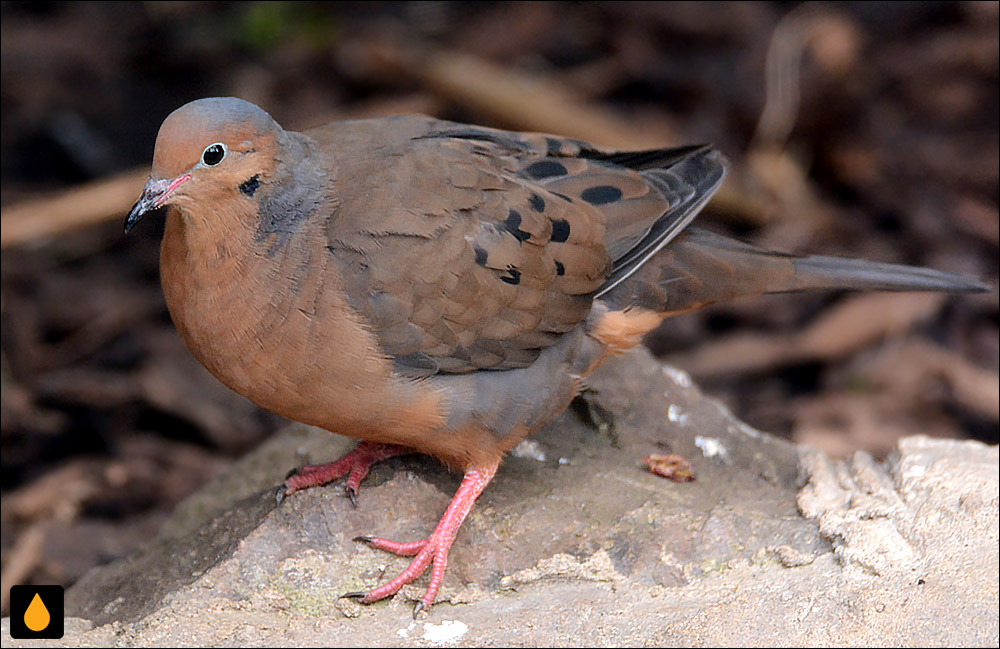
{"x":298,"y":198}
{"x":237,"y":268}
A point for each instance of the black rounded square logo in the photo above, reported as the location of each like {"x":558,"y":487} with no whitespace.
{"x":36,"y":612}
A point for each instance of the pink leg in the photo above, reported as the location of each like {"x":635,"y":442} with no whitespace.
{"x":356,"y":463}
{"x":434,"y":549}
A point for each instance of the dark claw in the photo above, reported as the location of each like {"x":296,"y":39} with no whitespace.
{"x":418,"y":609}
{"x":354,"y":595}
{"x":594,"y":414}
{"x":291,"y":472}
{"x":352,"y":493}
{"x":363,"y":539}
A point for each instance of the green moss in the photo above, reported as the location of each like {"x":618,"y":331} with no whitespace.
{"x":316,"y":595}
{"x":714,"y":565}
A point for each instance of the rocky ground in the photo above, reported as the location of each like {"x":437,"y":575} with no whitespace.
{"x":576,"y":543}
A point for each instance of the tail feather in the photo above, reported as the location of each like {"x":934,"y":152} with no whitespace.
{"x":831,"y":273}
{"x":700,"y":268}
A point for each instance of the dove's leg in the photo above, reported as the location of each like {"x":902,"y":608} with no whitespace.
{"x":355,"y":465}
{"x":434,"y":549}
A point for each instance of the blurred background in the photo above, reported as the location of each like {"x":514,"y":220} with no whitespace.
{"x":859,"y":129}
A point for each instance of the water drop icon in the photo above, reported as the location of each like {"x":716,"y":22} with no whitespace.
{"x":37,"y":616}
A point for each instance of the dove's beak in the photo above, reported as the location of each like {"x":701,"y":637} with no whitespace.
{"x":154,"y":195}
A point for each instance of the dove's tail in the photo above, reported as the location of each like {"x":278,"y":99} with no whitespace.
{"x":699,"y":268}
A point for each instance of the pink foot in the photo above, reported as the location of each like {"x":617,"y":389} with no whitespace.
{"x":434,"y":549}
{"x":356,"y":463}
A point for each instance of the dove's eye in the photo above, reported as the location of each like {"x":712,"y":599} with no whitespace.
{"x":213,"y":154}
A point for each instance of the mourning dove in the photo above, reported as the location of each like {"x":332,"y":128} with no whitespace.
{"x":432,"y":287}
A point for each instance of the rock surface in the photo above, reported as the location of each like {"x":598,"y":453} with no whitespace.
{"x":576,"y":543}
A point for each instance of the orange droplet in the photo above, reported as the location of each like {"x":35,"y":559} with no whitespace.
{"x":37,"y":616}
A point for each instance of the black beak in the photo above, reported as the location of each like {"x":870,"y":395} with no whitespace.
{"x":153,"y":196}
{"x":146,"y":203}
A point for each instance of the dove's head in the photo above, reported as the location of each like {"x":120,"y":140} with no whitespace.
{"x":209,"y":152}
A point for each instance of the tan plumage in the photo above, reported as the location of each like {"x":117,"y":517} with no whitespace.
{"x":432,"y":287}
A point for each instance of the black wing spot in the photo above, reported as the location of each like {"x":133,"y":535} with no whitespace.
{"x":250,"y":185}
{"x":552,"y":146}
{"x":537,"y":203}
{"x":513,"y":225}
{"x":560,"y":230}
{"x":601,"y":195}
{"x":481,"y":256}
{"x":545,"y":169}
{"x":560,"y":269}
{"x":514,"y":278}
